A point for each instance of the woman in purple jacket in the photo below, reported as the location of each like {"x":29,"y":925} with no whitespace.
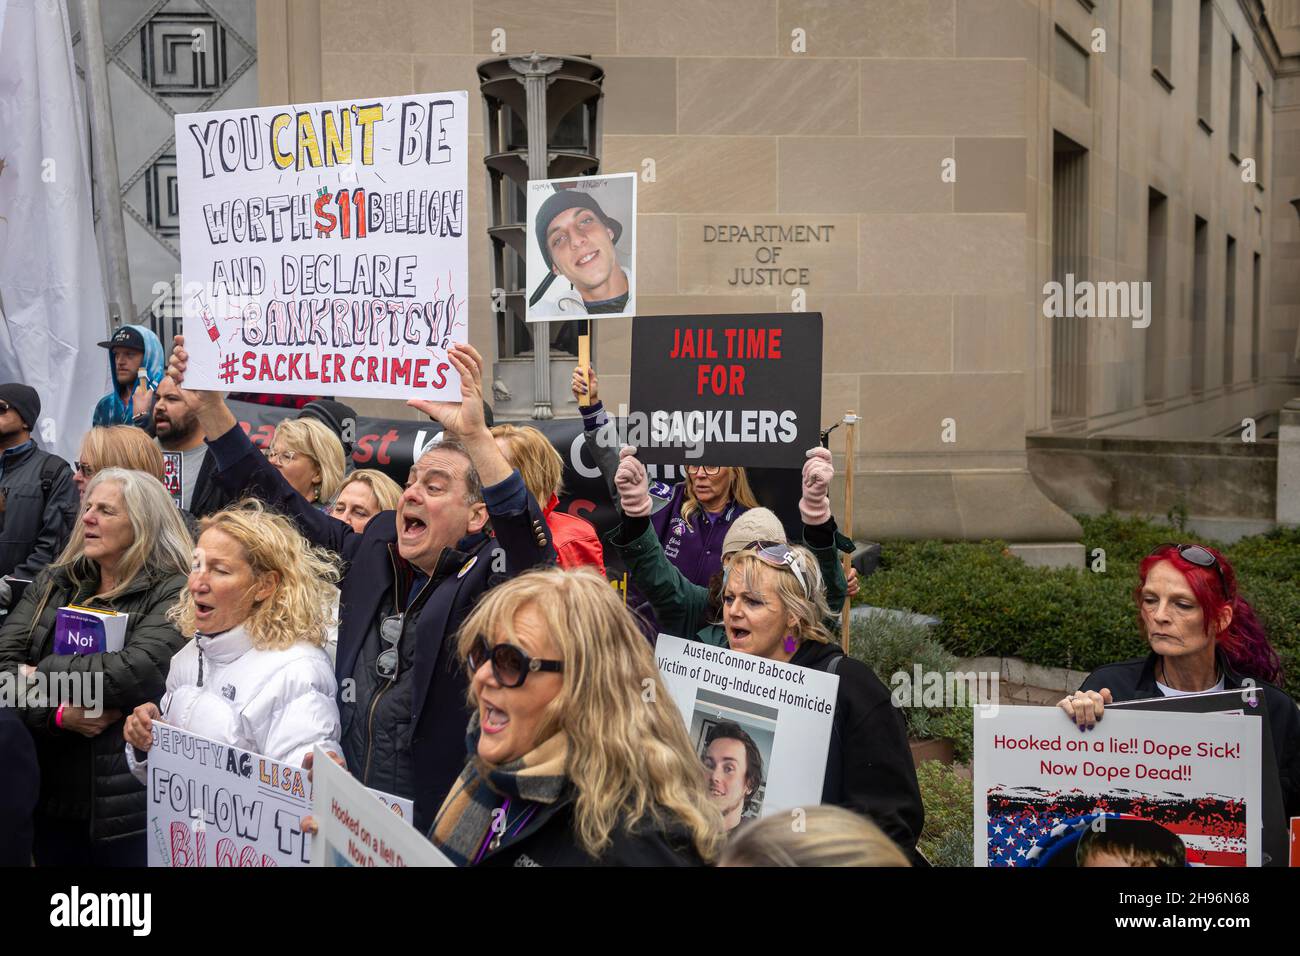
{"x":692,"y":517}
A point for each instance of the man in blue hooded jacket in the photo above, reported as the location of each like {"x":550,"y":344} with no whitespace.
{"x":135,"y":363}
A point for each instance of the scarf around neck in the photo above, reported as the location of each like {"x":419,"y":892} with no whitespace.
{"x":463,"y":827}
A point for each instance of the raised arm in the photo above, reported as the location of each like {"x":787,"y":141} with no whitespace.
{"x":819,"y":531}
{"x":678,"y":603}
{"x":598,"y":432}
{"x":517,"y":518}
{"x":241,"y":467}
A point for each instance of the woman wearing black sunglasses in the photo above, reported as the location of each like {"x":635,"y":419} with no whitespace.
{"x":1204,"y":636}
{"x":577,"y":755}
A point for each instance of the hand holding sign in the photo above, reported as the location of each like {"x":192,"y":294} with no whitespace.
{"x":585,"y":387}
{"x":815,"y":503}
{"x":463,"y":418}
{"x":308,"y":823}
{"x":177,"y":363}
{"x":1086,"y":707}
{"x":632,"y":484}
{"x":138,"y":729}
{"x":214,"y":417}
{"x":142,"y":397}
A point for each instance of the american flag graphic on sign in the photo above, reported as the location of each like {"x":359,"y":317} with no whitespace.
{"x":1029,"y":826}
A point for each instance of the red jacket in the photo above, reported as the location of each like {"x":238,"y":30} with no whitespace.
{"x":575,"y":540}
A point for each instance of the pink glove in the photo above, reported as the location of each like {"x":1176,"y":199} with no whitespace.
{"x":815,"y":505}
{"x":632,"y":484}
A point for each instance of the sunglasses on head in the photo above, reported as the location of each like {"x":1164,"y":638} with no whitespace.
{"x":4,"y":407}
{"x":778,"y":554}
{"x":511,"y":665}
{"x":1199,"y":556}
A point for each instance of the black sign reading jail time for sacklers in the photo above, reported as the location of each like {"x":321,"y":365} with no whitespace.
{"x":725,"y":389}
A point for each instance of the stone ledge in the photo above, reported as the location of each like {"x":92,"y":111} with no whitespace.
{"x":1014,"y":672}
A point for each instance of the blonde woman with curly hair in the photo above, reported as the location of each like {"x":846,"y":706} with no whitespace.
{"x":255,"y":674}
{"x":310,"y":457}
{"x":578,"y":755}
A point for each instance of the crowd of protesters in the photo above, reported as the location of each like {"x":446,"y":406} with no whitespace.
{"x":494,"y":677}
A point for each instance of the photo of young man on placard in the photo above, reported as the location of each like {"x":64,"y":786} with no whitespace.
{"x":582,"y":247}
{"x":735,"y":746}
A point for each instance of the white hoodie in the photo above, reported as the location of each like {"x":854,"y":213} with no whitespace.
{"x":277,"y":703}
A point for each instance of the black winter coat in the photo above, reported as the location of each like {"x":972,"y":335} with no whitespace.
{"x":433,"y":742}
{"x":20,"y":786}
{"x":34,"y":527}
{"x":869,"y":767}
{"x":209,"y":494}
{"x":1136,"y":680}
{"x":87,"y":778}
{"x":549,"y":840}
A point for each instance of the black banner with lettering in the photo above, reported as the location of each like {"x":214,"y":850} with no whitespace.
{"x":726,"y":389}
{"x":393,"y":445}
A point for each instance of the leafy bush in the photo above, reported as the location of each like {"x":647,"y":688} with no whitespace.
{"x":892,"y":646}
{"x":990,"y":602}
{"x":948,"y":837}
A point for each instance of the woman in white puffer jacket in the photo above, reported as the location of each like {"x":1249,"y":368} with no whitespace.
{"x":255,"y":675}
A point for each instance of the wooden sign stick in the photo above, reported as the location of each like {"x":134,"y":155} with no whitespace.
{"x":850,"y":422}
{"x":584,"y":361}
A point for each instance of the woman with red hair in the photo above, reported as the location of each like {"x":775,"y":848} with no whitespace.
{"x":1203,"y":637}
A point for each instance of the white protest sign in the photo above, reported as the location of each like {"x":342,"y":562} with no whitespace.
{"x":761,"y":728}
{"x":356,"y":828}
{"x":211,"y":804}
{"x":324,"y":246}
{"x":1044,"y":789}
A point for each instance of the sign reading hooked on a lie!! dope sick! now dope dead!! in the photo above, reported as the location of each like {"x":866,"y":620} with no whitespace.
{"x":725,"y":389}
{"x":1143,"y":789}
{"x":324,"y":246}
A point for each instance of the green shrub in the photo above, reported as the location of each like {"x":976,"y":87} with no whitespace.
{"x":947,"y":839}
{"x":990,"y":602}
{"x":890,"y":646}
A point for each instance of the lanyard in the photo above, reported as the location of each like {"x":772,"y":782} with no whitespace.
{"x":492,"y":839}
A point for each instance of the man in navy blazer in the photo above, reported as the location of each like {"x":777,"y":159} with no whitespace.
{"x":409,"y":580}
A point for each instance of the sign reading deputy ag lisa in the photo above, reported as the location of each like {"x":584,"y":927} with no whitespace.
{"x":725,"y":389}
{"x":323,"y":246}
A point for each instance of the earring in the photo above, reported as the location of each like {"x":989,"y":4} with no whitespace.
{"x":790,"y":643}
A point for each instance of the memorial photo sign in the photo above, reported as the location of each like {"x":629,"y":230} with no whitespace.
{"x":581,"y":242}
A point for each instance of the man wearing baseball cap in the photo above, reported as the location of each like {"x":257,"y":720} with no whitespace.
{"x":577,"y":240}
{"x":38,"y":501}
{"x":135,"y":363}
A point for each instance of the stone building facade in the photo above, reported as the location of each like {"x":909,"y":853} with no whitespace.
{"x":922,"y":170}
